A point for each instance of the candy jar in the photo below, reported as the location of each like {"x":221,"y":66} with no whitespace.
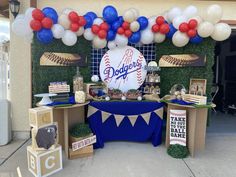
{"x":78,"y":81}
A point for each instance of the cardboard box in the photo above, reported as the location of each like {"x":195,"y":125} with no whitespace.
{"x":34,"y":132}
{"x":44,"y":163}
{"x":40,"y":116}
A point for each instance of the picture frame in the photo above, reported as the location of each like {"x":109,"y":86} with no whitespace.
{"x":197,"y":86}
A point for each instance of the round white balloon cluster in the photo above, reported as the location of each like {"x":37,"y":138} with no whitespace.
{"x":181,"y":26}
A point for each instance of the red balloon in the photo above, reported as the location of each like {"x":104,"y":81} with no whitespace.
{"x":128,"y":33}
{"x":35,"y":25}
{"x":104,"y":26}
{"x":155,"y":28}
{"x":160,"y":20}
{"x":82,"y":21}
{"x":95,"y":29}
{"x":192,"y":33}
{"x":120,"y":30}
{"x":74,"y":27}
{"x":73,"y":16}
{"x":47,"y":22}
{"x":37,"y":14}
{"x":164,"y":28}
{"x":102,"y":34}
{"x":183,"y":27}
{"x":125,"y":25}
{"x":192,"y":24}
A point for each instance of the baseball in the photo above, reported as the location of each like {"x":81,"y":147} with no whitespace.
{"x":123,"y":98}
{"x":95,"y":78}
{"x":139,"y":98}
{"x":107,"y":98}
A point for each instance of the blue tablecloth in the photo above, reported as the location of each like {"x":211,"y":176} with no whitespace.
{"x":125,"y":131}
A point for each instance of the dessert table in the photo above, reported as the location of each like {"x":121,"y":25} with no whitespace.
{"x":137,"y":121}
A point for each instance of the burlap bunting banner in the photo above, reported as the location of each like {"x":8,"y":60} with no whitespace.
{"x":119,"y":118}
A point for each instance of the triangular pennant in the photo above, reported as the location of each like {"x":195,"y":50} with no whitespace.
{"x":133,"y":119}
{"x":146,"y":117}
{"x":105,"y":116}
{"x":91,"y":111}
{"x":118,"y":119}
{"x":159,"y":112}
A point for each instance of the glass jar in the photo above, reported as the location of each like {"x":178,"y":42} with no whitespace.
{"x":78,"y":81}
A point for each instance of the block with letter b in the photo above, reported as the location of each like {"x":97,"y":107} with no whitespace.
{"x":44,"y":163}
{"x":40,"y":116}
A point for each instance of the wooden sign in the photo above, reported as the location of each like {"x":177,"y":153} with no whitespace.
{"x":62,"y":59}
{"x":178,"y":127}
{"x":183,"y":60}
{"x":83,"y":143}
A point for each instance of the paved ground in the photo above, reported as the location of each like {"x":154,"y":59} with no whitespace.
{"x":126,"y":159}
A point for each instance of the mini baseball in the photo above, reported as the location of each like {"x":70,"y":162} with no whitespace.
{"x":152,"y":63}
{"x":139,"y":98}
{"x":107,"y":98}
{"x":123,"y":98}
{"x":95,"y":78}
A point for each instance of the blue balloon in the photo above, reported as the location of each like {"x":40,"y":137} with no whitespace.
{"x":196,"y":40}
{"x":135,"y":37}
{"x":51,"y":13}
{"x":110,"y":14}
{"x":172,"y":31}
{"x":111,"y":35}
{"x":116,"y":25}
{"x":92,"y":15}
{"x":89,"y":21}
{"x":45,"y":36}
{"x":120,"y":19}
{"x":143,"y":22}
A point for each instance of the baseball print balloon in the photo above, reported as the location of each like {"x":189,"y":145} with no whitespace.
{"x":123,"y":68}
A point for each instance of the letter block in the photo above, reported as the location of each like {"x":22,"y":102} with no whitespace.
{"x":44,"y":163}
{"x":40,"y":116}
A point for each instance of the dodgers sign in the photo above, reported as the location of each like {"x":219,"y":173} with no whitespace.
{"x":123,"y":68}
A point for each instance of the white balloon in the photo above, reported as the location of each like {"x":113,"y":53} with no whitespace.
{"x":190,"y":11}
{"x":174,"y":12}
{"x":213,"y":13}
{"x":111,"y":45}
{"x":66,"y":11}
{"x":99,"y":43}
{"x":29,"y":37}
{"x":121,"y":41}
{"x":151,"y":21}
{"x":21,"y":27}
{"x":20,"y":16}
{"x":64,"y":21}
{"x":198,"y":18}
{"x":28,"y":14}
{"x":58,"y":31}
{"x":88,"y":34}
{"x":159,"y":38}
{"x":80,"y":32}
{"x":178,"y":20}
{"x":135,"y":12}
{"x":165,"y":15}
{"x":180,"y":39}
{"x":221,"y":32}
{"x":129,"y":16}
{"x":97,"y":21}
{"x":147,"y":36}
{"x":134,"y":26}
{"x":69,"y":38}
{"x":205,"y":29}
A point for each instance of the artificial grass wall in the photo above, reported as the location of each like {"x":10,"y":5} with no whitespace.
{"x":171,"y":76}
{"x":43,"y":75}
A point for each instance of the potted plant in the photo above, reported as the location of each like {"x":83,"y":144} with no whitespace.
{"x":133,"y":94}
{"x":115,"y":93}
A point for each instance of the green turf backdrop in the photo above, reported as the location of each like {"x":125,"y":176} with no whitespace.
{"x":43,"y":75}
{"x":171,"y":76}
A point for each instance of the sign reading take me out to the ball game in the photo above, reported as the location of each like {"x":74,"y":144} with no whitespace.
{"x":123,"y":68}
{"x":178,"y":127}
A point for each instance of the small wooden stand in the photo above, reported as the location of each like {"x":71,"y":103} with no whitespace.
{"x":196,"y":126}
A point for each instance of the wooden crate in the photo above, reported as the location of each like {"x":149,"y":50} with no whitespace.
{"x":195,"y":99}
{"x":84,"y":152}
{"x":44,"y":163}
{"x":34,"y":143}
{"x":197,"y":86}
{"x":40,"y":116}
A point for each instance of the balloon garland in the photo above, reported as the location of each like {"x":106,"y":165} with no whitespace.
{"x":114,"y":31}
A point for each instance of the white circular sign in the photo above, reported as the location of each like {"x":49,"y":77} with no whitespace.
{"x":123,"y":68}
